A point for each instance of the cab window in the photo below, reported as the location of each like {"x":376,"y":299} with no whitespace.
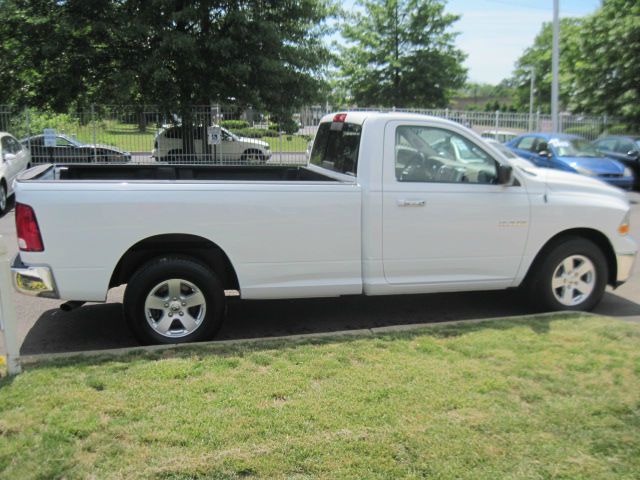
{"x":436,"y":155}
{"x":336,"y":147}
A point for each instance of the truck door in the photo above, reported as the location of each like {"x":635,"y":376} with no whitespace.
{"x":446,"y":220}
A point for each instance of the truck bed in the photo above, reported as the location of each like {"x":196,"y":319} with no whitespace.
{"x":174,"y":172}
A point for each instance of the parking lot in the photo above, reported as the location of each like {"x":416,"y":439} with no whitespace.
{"x":44,"y":328}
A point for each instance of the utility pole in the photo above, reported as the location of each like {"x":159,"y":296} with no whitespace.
{"x":555,"y":57}
{"x":532,"y":72}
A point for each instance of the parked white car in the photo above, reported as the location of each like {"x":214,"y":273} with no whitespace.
{"x":384,"y":207}
{"x":169,"y":147}
{"x":501,"y":136}
{"x":14,"y":158}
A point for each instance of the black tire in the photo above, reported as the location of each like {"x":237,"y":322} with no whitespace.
{"x":144,"y":282}
{"x":4,"y":200}
{"x":257,"y":154}
{"x":543,"y":296}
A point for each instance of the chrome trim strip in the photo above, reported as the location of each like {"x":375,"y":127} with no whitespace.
{"x":35,"y":281}
{"x":625,"y":265}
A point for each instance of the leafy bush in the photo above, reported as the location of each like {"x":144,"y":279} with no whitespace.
{"x":234,"y":124}
{"x":38,"y":121}
{"x":587,"y":131}
{"x":620,"y":129}
{"x":255,"y":132}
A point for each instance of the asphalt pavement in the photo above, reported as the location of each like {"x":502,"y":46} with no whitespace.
{"x":43,"y":328}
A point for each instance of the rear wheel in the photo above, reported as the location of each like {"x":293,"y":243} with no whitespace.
{"x":253,"y":157}
{"x":572,"y":276}
{"x":174,"y":300}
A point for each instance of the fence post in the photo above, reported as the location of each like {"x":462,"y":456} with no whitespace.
{"x":538,"y":120}
{"x":8,"y":322}
{"x":497,"y":120}
{"x":27,"y":124}
{"x":93,"y":124}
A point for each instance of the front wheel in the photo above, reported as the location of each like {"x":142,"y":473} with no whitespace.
{"x":3,"y":198}
{"x":572,"y":276}
{"x":174,"y":300}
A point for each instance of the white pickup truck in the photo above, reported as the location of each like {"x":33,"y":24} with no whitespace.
{"x":390,"y":203}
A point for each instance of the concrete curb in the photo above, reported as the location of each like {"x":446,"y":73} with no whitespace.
{"x":367,"y":332}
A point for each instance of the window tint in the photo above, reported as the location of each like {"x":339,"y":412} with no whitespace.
{"x":9,"y":145}
{"x":427,"y":154}
{"x":526,"y":143}
{"x":606,"y":145}
{"x":625,"y":147}
{"x":63,"y":142}
{"x":336,"y":147}
{"x":14,"y":145}
{"x":5,"y":145}
{"x":34,"y":141}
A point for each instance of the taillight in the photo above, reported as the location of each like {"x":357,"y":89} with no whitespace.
{"x":29,"y":239}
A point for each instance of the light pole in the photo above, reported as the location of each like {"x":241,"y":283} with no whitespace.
{"x":555,"y":57}
{"x":532,"y":72}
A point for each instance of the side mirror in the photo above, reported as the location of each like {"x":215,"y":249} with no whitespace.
{"x":9,"y":157}
{"x":505,"y":174}
{"x":634,"y":154}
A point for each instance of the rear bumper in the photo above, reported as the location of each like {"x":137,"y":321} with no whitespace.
{"x":35,"y":281}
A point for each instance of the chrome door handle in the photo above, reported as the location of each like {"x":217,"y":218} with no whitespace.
{"x":411,"y":203}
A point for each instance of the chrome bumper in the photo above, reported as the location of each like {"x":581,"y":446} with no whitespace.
{"x":625,"y":265}
{"x":36,"y":281}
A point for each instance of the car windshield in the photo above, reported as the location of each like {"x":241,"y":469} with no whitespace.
{"x":72,"y":141}
{"x":228,"y":134}
{"x":573,"y":147}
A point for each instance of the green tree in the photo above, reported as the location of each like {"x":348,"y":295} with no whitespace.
{"x":608,"y":70}
{"x":58,"y":54}
{"x":538,"y":56}
{"x":400,"y":53}
{"x":174,"y":53}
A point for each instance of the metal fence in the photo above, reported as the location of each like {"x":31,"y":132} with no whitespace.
{"x":225,"y":135}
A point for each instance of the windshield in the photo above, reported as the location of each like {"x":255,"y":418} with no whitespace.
{"x":574,"y":147}
{"x":336,"y":147}
{"x":226,"y":134}
{"x":73,"y":142}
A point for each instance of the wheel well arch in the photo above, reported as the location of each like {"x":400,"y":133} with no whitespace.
{"x":194,"y":246}
{"x":3,"y":181}
{"x":595,"y":236}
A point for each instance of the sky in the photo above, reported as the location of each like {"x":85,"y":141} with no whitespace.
{"x":494,"y":33}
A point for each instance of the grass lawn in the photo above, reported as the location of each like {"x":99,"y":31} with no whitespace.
{"x":545,"y":397}
{"x":287,"y":143}
{"x":124,"y":136}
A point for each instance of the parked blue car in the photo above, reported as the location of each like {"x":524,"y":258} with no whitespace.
{"x":571,"y":153}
